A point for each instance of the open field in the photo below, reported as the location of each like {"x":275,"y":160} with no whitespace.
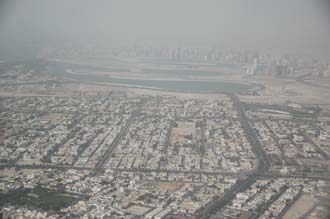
{"x":37,"y":198}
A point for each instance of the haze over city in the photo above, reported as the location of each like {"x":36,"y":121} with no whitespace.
{"x":165,"y":109}
{"x":294,"y":27}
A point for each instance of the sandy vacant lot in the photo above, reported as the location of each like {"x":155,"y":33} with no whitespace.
{"x":301,"y":207}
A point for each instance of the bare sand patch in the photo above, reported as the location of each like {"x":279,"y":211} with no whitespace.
{"x":304,"y":204}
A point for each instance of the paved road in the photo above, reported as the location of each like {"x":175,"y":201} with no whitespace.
{"x":100,"y":164}
{"x":263,"y":166}
{"x":142,"y":170}
{"x":43,"y":166}
{"x":264,"y":163}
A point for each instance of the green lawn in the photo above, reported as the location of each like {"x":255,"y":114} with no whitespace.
{"x":36,"y":198}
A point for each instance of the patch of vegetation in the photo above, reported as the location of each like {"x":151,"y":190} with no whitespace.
{"x":36,"y":198}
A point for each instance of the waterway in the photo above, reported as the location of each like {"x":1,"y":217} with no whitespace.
{"x":194,"y":86}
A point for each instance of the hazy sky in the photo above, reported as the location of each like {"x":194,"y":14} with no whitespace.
{"x":286,"y":25}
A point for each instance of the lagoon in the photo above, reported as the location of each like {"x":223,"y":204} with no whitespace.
{"x":192,"y":86}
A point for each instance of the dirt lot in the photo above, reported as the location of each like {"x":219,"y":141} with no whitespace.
{"x":301,"y":207}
